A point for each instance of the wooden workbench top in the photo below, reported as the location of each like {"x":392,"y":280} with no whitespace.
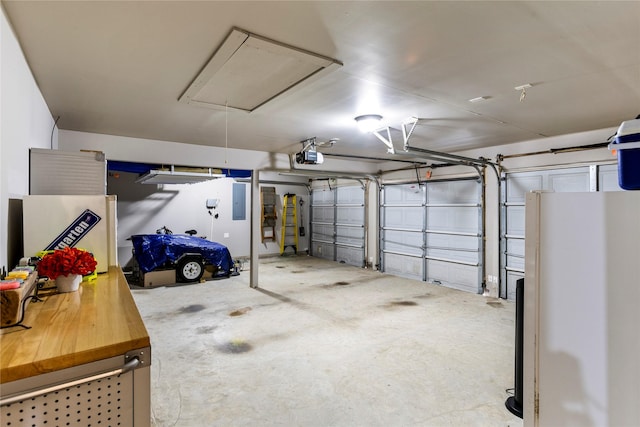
{"x":98,"y":321}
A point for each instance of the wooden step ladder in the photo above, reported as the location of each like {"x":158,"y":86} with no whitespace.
{"x":289,"y":236}
{"x":268,"y":216}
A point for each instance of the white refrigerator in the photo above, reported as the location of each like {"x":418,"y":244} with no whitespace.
{"x":582,"y":309}
{"x":84,"y":222}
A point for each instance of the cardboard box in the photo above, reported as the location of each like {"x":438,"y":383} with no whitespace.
{"x":11,"y":301}
{"x":159,"y":278}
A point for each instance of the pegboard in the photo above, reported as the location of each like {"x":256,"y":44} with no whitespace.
{"x":104,"y":402}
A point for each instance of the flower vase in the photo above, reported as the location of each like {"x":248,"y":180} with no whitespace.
{"x":68,"y":283}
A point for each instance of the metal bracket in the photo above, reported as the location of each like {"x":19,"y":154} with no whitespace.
{"x":408,"y":126}
{"x":308,"y":143}
{"x":387,"y":141}
{"x":142,"y":354}
{"x":411,"y":121}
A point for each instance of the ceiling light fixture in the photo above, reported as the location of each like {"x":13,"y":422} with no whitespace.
{"x":368,"y":122}
{"x":179,"y":176}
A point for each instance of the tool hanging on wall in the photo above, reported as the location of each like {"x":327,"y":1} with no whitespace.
{"x":301,"y":229}
{"x":289,"y":236}
{"x":212,"y":204}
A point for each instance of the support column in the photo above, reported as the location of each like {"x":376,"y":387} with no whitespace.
{"x":255,"y":228}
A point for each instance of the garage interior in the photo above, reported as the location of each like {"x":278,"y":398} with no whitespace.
{"x":385,"y":293}
{"x":324,"y":343}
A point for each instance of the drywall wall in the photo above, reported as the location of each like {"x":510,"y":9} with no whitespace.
{"x":144,"y":208}
{"x":163,"y":152}
{"x":25,"y":122}
{"x":272,"y":167}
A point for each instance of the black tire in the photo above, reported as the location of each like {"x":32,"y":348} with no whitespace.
{"x":189,"y":269}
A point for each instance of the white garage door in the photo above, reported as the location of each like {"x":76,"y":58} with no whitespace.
{"x":516,"y":185}
{"x":433,"y":232}
{"x":402,"y":230}
{"x":337,"y":224}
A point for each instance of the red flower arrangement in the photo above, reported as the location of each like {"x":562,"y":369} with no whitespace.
{"x":63,"y":262}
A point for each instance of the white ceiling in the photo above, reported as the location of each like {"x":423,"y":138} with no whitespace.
{"x":119,"y":68}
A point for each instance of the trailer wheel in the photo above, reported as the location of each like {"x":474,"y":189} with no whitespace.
{"x":189,"y":269}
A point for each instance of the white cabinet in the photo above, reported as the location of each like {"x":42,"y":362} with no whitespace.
{"x":582,"y":309}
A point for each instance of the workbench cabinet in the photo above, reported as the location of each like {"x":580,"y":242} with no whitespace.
{"x":85,"y":360}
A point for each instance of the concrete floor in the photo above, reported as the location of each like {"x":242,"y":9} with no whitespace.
{"x":326,"y":344}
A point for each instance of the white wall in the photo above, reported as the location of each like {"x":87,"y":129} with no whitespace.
{"x":144,"y":208}
{"x":25,"y":122}
{"x":163,"y":152}
{"x":156,"y":214}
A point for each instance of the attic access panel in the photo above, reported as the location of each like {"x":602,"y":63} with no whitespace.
{"x":248,"y":71}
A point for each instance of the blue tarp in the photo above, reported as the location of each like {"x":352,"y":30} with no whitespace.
{"x":158,"y":250}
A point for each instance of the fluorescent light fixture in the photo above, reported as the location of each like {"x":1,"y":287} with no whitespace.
{"x":177,"y":177}
{"x":368,"y":122}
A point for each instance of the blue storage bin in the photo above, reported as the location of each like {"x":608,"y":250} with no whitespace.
{"x":626,"y":141}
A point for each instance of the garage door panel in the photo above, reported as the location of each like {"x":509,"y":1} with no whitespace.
{"x":462,"y":277}
{"x":515,"y":253}
{"x":338,"y":224}
{"x":403,"y":217}
{"x":515,"y":220}
{"x":470,"y":257}
{"x":350,"y":235}
{"x":453,"y":192}
{"x":569,"y":182}
{"x":403,"y":242}
{"x":350,"y":195}
{"x":324,"y":250}
{"x":322,"y":197}
{"x":404,"y":266}
{"x":403,"y":194}
{"x":515,"y":262}
{"x":322,"y":232}
{"x":608,"y":178}
{"x":453,"y":242}
{"x":348,"y":255}
{"x":350,"y":215}
{"x":322,"y":213}
{"x":520,"y":185}
{"x":457,"y":219}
